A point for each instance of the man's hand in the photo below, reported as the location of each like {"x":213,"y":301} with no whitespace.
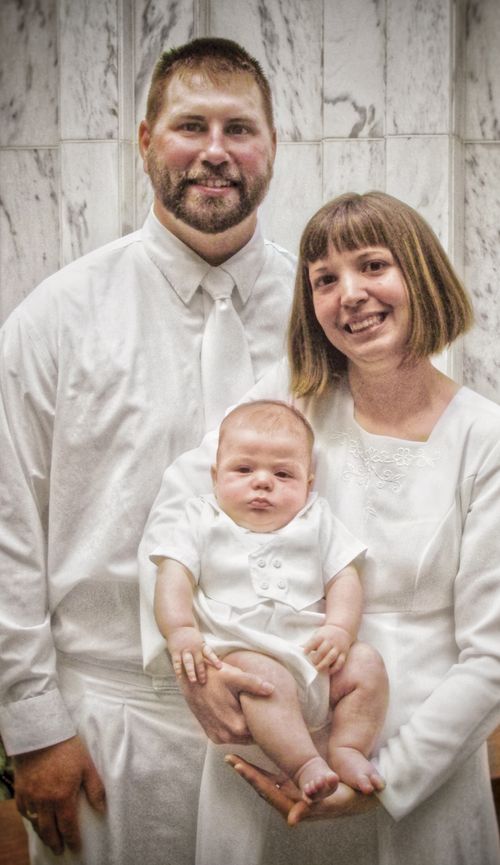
{"x":47,"y":785}
{"x":283,"y":795}
{"x":216,"y":703}
{"x":328,"y":647}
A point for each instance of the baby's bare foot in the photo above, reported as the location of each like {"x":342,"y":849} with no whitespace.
{"x":355,"y":770}
{"x":316,"y":779}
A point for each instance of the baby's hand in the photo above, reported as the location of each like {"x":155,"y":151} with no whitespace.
{"x":189,"y":652}
{"x":329,"y":647}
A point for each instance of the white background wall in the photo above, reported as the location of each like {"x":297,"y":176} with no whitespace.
{"x":401,"y":95}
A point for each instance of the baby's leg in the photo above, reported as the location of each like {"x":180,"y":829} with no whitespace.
{"x":359,"y":695}
{"x":277,"y":725}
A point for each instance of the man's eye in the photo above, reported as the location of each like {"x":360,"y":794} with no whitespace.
{"x":191,"y":126}
{"x":237,"y":129}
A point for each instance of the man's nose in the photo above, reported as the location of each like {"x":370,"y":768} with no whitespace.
{"x":215,"y":150}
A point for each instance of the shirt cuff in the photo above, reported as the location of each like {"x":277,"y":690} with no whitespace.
{"x":34,"y":723}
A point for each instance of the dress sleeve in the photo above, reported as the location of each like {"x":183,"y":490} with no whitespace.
{"x":32,"y":712}
{"x":464,"y":708}
{"x":186,"y":477}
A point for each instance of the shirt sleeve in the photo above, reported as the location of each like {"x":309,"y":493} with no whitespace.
{"x":464,"y":708}
{"x":188,"y":476}
{"x":183,"y":542}
{"x":32,"y":711}
{"x":339,"y":547}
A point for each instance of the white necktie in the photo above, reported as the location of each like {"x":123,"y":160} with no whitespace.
{"x":226,"y":367}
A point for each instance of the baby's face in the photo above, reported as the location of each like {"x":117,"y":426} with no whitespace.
{"x":262,"y":480}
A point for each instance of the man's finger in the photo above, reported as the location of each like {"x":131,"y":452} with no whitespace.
{"x":252,"y":684}
{"x":67,"y":825}
{"x":94,"y":790}
{"x":46,"y":828}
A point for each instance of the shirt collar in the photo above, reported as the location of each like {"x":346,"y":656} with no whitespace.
{"x":184,"y":269}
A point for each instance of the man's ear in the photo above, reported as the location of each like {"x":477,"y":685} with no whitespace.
{"x":144,"y":139}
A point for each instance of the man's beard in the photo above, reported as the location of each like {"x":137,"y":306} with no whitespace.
{"x":211,"y":215}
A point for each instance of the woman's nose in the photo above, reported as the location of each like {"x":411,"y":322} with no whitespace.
{"x":353,"y":288}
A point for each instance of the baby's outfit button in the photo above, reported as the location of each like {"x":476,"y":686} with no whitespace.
{"x":282,"y":584}
{"x":261,"y":563}
{"x":276,"y":563}
{"x":264,"y":584}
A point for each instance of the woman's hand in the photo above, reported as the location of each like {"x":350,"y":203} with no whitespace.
{"x":286,"y":798}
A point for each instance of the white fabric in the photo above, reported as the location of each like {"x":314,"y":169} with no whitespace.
{"x":226,"y":367}
{"x":100,"y":389}
{"x":264,"y":592}
{"x":428,"y":512}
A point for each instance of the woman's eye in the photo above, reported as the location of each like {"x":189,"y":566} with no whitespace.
{"x":323,"y":282}
{"x":376,"y":266}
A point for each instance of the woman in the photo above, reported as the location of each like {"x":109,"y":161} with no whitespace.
{"x":411,"y":463}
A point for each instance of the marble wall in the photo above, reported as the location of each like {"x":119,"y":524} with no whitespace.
{"x":392,"y":94}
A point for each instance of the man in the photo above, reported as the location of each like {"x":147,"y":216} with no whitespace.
{"x":106,"y":377}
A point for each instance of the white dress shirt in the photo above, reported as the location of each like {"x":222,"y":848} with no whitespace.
{"x":100,"y":388}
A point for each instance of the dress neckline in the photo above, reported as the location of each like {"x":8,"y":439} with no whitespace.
{"x":413,"y":442}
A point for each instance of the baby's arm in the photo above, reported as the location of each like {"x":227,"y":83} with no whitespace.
{"x":173,"y":608}
{"x":330,"y":644}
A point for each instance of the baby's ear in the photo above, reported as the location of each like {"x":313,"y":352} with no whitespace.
{"x":213,"y":474}
{"x":310,"y":481}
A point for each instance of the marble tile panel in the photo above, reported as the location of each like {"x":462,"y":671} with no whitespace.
{"x":353,"y":165}
{"x":418,"y":172}
{"x":285,"y":36}
{"x":143,"y":190}
{"x":354,"y":67}
{"x":483,"y":70}
{"x":482,"y":267}
{"x":418,"y":67}
{"x":295,"y":193}
{"x":28,"y":73}
{"x":90,"y":196}
{"x":158,"y":26}
{"x":89,"y":69}
{"x":29,"y":222}
{"x":126,"y":84}
{"x":126,"y":187}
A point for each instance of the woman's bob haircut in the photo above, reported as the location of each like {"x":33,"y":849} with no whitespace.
{"x":439,"y":309}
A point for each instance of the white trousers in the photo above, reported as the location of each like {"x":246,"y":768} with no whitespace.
{"x":149,"y":750}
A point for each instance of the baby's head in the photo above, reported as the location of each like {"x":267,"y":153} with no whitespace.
{"x":263,"y":470}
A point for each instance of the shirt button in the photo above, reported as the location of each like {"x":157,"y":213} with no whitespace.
{"x":276,"y":563}
{"x":264,"y":585}
{"x":261,"y":563}
{"x":282,"y":584}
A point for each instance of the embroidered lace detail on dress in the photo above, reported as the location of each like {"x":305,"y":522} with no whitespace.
{"x":387,"y":468}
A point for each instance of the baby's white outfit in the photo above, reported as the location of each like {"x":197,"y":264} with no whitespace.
{"x":264,"y":591}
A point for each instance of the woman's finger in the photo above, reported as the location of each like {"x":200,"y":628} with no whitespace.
{"x":274,"y":789}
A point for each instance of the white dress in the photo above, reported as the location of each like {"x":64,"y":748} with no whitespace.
{"x":264,"y":591}
{"x":429,"y":514}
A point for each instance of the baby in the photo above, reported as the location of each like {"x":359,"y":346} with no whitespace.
{"x":262,"y":575}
